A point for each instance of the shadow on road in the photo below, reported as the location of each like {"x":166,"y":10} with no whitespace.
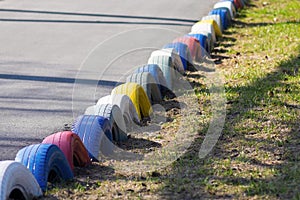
{"x":90,"y":22}
{"x":58,"y":80}
{"x":97,"y":15}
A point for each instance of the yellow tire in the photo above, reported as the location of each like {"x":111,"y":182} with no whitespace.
{"x":138,"y":97}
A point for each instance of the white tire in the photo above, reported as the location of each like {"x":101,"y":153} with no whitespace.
{"x":17,"y":182}
{"x":127,"y":108}
{"x":114,"y":114}
{"x":173,"y":54}
{"x":202,"y":27}
{"x":217,"y":18}
{"x":227,"y":4}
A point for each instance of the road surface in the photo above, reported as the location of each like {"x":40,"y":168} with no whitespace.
{"x":52,"y":54}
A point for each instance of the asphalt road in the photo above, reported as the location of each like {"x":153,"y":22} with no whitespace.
{"x":52,"y":54}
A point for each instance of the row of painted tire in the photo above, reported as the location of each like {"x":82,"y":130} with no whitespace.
{"x":114,"y":115}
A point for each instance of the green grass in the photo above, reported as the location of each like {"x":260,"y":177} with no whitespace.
{"x":257,"y":156}
{"x":263,"y":84}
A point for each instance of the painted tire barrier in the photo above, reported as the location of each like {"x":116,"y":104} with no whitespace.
{"x":183,"y":51}
{"x":237,"y":3}
{"x":72,"y":147}
{"x":193,"y":45}
{"x":215,"y":25}
{"x":200,"y":27}
{"x":146,"y":80}
{"x":46,"y":162}
{"x":223,"y":15}
{"x":217,"y":18}
{"x":229,"y":5}
{"x":138,"y":97}
{"x":127,"y":108}
{"x":17,"y":182}
{"x":114,"y":114}
{"x":243,"y":2}
{"x":209,"y":39}
{"x":173,"y":54}
{"x":228,"y":15}
{"x":56,"y":157}
{"x":204,"y":43}
{"x":95,"y":133}
{"x":157,"y":74}
{"x":167,"y":67}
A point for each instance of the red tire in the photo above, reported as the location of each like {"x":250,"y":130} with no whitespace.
{"x":238,"y":4}
{"x":193,"y":45}
{"x":71,"y":145}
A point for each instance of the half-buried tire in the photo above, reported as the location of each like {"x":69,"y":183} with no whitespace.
{"x":157,"y":74}
{"x":215,"y":25}
{"x":46,"y":162}
{"x":95,"y":133}
{"x":147,"y":81}
{"x":17,"y":182}
{"x":176,"y":60}
{"x":217,"y":18}
{"x":227,"y":4}
{"x":199,"y":27}
{"x":114,"y":114}
{"x":183,"y":51}
{"x":127,"y":108}
{"x":167,"y":67}
{"x":203,"y":42}
{"x":225,"y":20}
{"x":72,"y":147}
{"x":138,"y":97}
{"x":193,"y":45}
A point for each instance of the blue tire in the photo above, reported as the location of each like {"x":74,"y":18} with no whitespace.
{"x":157,"y":74}
{"x":183,"y":51}
{"x":223,"y":15}
{"x":95,"y":133}
{"x":228,"y":16}
{"x":232,"y":1}
{"x":203,"y":42}
{"x":114,"y":114}
{"x":46,"y":162}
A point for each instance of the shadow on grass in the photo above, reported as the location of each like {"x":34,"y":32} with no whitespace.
{"x":193,"y":178}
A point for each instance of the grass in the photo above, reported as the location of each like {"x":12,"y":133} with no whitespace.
{"x":257,"y":156}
